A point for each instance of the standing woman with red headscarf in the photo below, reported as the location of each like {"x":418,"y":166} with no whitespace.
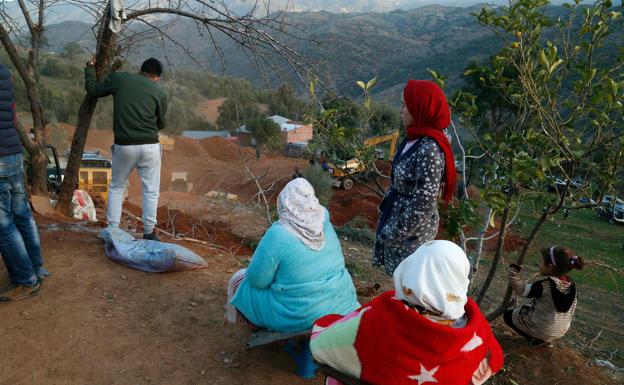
{"x":422,"y":166}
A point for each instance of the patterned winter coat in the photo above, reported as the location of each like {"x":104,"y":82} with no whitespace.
{"x":550,"y":312}
{"x":409,"y":212}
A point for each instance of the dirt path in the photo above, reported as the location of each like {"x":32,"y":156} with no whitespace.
{"x":97,"y":322}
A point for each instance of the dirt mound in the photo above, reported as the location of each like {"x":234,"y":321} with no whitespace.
{"x":93,"y":316}
{"x":184,"y":225}
{"x":357,"y":202}
{"x":360,"y":200}
{"x":97,"y":139}
{"x":178,"y":196}
{"x":189,"y":148}
{"x":526,"y":364}
{"x":512,"y":242}
{"x":220,"y":149}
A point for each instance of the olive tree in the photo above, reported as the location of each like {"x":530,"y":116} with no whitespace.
{"x":548,"y":107}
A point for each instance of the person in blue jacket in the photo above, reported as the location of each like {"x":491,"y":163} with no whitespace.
{"x":297,"y":273}
{"x":19,"y":238}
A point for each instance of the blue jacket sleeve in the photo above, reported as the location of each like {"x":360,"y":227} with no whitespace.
{"x":264,"y":263}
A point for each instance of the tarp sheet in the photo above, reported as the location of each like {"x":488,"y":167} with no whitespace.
{"x":147,"y":255}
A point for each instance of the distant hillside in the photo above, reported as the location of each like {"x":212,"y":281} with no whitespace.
{"x":392,"y":46}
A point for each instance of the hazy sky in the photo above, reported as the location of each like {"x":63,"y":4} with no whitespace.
{"x":62,"y":12}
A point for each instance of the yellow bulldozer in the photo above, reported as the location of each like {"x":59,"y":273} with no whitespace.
{"x":345,"y":173}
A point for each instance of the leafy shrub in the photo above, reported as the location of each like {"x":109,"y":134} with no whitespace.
{"x":72,"y":49}
{"x":357,"y":230}
{"x":236,"y":111}
{"x":322,"y":183}
{"x":55,"y":68}
{"x":60,"y":103}
{"x":265,"y":131}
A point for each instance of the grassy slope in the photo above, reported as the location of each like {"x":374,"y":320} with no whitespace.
{"x":592,"y":238}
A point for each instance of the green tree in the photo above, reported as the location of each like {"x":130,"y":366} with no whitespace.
{"x":384,"y":118}
{"x":266,"y":132}
{"x":345,"y":111}
{"x":284,"y":102}
{"x":235,"y":112}
{"x":60,"y":103}
{"x":560,"y":83}
{"x":56,"y":68}
{"x":71,"y":50}
{"x":322,"y":182}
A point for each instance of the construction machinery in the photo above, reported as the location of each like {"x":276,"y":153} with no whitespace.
{"x":179,"y":182}
{"x":345,"y":173}
{"x":167,"y":142}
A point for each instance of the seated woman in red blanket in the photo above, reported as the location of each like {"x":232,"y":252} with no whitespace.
{"x":426,"y":332}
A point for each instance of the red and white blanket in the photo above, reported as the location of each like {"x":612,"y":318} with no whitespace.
{"x":386,"y":342}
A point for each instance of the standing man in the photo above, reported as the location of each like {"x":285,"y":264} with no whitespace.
{"x":19,"y":238}
{"x":139,"y":108}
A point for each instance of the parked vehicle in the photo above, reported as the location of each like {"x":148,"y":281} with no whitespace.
{"x":587,"y":201}
{"x":612,"y":209}
{"x":608,"y":200}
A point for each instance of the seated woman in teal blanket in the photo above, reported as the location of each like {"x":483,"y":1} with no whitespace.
{"x":297,"y":273}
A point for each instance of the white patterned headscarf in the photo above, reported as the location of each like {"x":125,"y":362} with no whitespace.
{"x":435,"y":277}
{"x":301,"y":213}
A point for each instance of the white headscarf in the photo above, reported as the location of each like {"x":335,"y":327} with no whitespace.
{"x":435,"y":277}
{"x":301,"y":214}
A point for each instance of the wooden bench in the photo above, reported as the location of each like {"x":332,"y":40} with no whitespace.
{"x":328,"y":371}
{"x":297,"y":346}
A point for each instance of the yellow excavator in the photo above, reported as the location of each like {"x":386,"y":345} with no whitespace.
{"x":344,"y":174}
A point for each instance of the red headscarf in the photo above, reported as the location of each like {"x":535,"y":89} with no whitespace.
{"x":427,"y":104}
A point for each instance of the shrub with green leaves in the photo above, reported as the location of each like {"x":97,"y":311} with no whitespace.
{"x":357,"y":230}
{"x":548,"y":105}
{"x":322,"y":183}
{"x":266,"y":132}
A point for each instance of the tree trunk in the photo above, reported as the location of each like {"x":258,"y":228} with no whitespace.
{"x":39,"y":160}
{"x":74,"y":161}
{"x":27,"y":73}
{"x":106,"y":42}
{"x":525,"y":250}
{"x":480,"y":242}
{"x":499,"y":252}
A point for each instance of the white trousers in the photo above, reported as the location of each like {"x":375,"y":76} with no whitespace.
{"x":146,"y":159}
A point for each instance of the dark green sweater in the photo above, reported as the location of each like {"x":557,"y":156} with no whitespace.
{"x":139,"y":105}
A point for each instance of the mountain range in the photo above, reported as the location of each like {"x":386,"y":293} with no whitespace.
{"x":391,"y":46}
{"x":59,"y":12}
